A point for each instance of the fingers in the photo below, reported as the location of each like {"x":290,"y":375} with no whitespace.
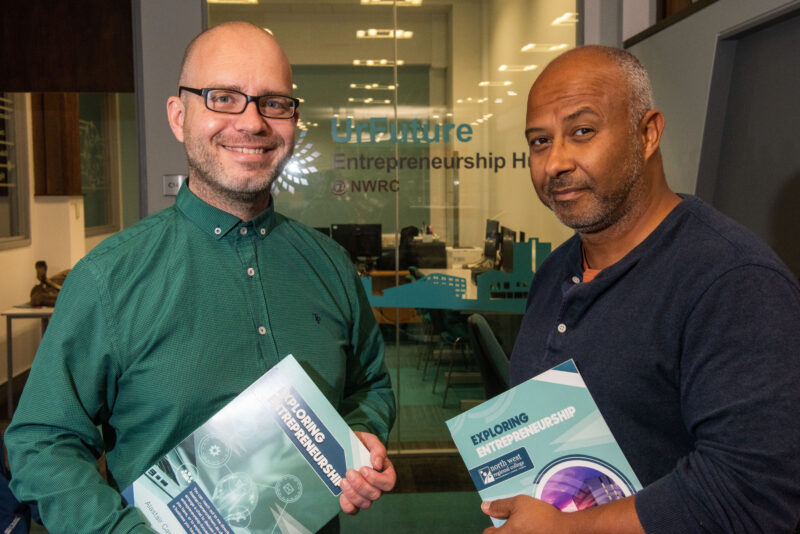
{"x":347,"y":506}
{"x":499,"y":509}
{"x":382,"y":480}
{"x":361,"y":488}
{"x":357,"y":491}
{"x":377,"y":452}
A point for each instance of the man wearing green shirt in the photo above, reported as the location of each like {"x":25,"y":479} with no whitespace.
{"x":163,"y":324}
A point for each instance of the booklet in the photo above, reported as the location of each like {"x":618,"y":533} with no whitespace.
{"x":544,"y":438}
{"x":269,"y":462}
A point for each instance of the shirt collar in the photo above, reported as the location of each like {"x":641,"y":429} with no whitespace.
{"x":218,"y":223}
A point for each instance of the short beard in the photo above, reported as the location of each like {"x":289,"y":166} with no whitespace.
{"x":241,"y":195}
{"x":210,"y":172}
{"x":612,"y":207}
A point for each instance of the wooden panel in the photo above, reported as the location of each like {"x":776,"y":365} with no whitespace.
{"x":80,"y":45}
{"x":56,"y":144}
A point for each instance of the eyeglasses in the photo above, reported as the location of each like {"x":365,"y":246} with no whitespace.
{"x":235,"y":102}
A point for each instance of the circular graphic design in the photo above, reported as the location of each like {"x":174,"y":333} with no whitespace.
{"x":289,"y":489}
{"x":234,"y":493}
{"x":213,"y":452}
{"x":239,"y":517}
{"x":574,"y":483}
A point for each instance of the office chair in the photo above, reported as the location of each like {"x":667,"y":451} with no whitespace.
{"x":492,"y":359}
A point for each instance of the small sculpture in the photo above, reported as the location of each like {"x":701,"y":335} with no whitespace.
{"x":46,"y":291}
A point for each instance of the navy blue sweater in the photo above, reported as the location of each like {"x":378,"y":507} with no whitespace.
{"x":690,"y":345}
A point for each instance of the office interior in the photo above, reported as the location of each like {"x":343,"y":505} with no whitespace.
{"x":410,"y":153}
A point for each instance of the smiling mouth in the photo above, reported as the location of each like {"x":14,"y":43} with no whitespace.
{"x":244,"y":150}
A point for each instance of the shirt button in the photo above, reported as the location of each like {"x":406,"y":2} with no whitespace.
{"x":251,"y":271}
{"x":263,"y":231}
{"x":576,"y":280}
{"x":242,"y":230}
{"x":561,"y":328}
{"x":262,"y":330}
{"x":217,"y":230}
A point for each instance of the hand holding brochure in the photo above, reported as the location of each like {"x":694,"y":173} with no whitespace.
{"x":269,"y":462}
{"x":544,"y":438}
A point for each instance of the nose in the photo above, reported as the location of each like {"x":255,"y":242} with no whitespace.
{"x":559,"y":159}
{"x":251,"y":121}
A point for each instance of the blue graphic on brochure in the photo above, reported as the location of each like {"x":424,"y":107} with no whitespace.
{"x":239,"y":474}
{"x":544,"y":438}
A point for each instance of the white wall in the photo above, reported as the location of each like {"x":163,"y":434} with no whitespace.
{"x":57,"y":237}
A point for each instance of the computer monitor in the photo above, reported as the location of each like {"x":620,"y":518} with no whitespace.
{"x":492,"y":240}
{"x":507,"y":249}
{"x":362,"y":241}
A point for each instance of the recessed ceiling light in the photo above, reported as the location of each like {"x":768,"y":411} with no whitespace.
{"x":377,"y":62}
{"x":400,"y":3}
{"x":543,"y":47}
{"x":374,"y":33}
{"x":567,"y":19}
{"x":515,"y":68}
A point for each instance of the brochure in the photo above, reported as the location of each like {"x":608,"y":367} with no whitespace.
{"x":269,"y":462}
{"x":547,"y":439}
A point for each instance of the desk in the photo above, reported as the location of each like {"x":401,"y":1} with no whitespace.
{"x":43,"y":313}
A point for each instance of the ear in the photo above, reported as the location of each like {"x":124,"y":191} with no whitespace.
{"x":650,"y":128}
{"x":176,"y":113}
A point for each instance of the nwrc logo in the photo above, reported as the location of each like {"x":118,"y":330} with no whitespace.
{"x":405,"y":131}
{"x":340,"y":187}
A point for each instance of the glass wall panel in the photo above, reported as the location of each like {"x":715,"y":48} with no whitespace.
{"x":99,"y":161}
{"x":412,"y":118}
{"x":13,"y":171}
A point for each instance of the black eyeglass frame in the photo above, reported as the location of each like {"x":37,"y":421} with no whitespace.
{"x":204,"y":93}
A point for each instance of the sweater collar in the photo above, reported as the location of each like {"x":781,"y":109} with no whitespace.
{"x":673,"y":218}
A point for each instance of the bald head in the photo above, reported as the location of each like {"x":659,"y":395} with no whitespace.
{"x":620,"y":67}
{"x":230,"y":34}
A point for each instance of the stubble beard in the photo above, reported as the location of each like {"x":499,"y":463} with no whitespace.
{"x":605,"y":209}
{"x":206,"y":168}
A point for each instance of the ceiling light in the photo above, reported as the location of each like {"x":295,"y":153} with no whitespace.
{"x":377,"y":62}
{"x":494,"y":84}
{"x":543,"y":47}
{"x":515,"y":68}
{"x":567,"y":19}
{"x":368,"y":100}
{"x":400,"y":3}
{"x":372,"y":86}
{"x":374,"y":33}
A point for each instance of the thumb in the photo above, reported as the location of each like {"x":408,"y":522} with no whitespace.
{"x":499,"y":509}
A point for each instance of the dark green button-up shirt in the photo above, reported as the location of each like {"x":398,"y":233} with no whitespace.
{"x":160,"y":326}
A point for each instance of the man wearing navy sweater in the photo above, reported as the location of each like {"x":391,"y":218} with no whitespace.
{"x":684,"y":325}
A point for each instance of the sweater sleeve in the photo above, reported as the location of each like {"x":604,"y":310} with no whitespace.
{"x":740,"y":367}
{"x":54,"y":441}
{"x":368,"y":403}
